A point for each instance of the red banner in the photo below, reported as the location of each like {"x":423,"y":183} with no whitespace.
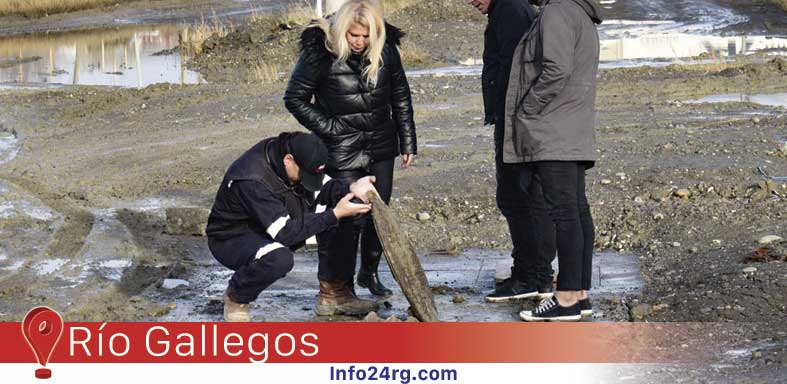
{"x":364,"y":343}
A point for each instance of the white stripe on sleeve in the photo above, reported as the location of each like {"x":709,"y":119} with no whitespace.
{"x":277,"y":225}
{"x":267,"y":249}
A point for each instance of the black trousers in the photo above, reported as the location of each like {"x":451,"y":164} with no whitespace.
{"x":337,"y":248}
{"x":257,"y":261}
{"x":521,"y":202}
{"x":563,"y":186}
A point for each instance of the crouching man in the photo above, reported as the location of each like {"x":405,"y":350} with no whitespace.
{"x":265,"y":209}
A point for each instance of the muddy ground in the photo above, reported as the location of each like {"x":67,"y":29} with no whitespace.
{"x":140,"y":12}
{"x":676,"y":184}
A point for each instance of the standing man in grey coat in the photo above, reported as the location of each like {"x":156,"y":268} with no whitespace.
{"x":550,"y":132}
{"x":532,"y":233}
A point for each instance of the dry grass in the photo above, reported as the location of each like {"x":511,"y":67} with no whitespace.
{"x":413,"y":54}
{"x":300,"y":14}
{"x":265,"y":73}
{"x":392,"y":6}
{"x":38,"y":8}
{"x":191,"y":38}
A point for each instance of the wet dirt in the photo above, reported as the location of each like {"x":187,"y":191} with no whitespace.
{"x":140,"y":12}
{"x":675,"y":188}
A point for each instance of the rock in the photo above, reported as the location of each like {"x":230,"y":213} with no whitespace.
{"x":640,"y":311}
{"x":760,"y":195}
{"x":658,"y":216}
{"x":606,"y":181}
{"x":694,"y":250}
{"x":174,"y":283}
{"x":187,"y":221}
{"x":373,"y":317}
{"x":749,"y":270}
{"x":660,"y":307}
{"x":769,"y":239}
{"x":393,"y":319}
{"x":423,"y":216}
{"x":669,"y":147}
{"x":683,"y":193}
{"x":716,"y":242}
{"x":660,"y":194}
{"x":458,"y":299}
{"x":639,"y":199}
{"x":675,"y":244}
{"x":756,"y":120}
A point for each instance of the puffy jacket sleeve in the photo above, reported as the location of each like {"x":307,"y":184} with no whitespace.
{"x":558,"y":40}
{"x":402,"y":105}
{"x":305,"y":78}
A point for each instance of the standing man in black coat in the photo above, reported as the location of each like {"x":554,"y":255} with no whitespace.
{"x":532,"y":233}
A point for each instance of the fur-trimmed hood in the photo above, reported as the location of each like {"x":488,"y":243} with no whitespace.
{"x":313,"y":38}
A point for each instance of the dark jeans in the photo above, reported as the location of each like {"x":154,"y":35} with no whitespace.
{"x":563,"y":186}
{"x":532,"y":233}
{"x":256,"y":267}
{"x":337,"y":248}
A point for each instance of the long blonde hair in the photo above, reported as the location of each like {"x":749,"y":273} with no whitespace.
{"x":367,"y":13}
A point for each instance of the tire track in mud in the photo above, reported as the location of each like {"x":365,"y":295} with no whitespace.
{"x":69,"y":238}
{"x":23,"y":289}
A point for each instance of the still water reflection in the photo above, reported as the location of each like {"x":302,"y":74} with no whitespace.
{"x":128,"y":57}
{"x":775,"y":99}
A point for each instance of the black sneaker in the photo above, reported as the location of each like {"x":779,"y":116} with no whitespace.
{"x":585,"y":308}
{"x":545,"y":290}
{"x":500,"y":283}
{"x":511,"y":289}
{"x":550,"y":310}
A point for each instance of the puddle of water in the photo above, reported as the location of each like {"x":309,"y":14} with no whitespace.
{"x":671,"y":39}
{"x":457,"y":70}
{"x":38,"y":213}
{"x":470,"y":274}
{"x":113,"y":269}
{"x":6,"y":210}
{"x":9,"y":209}
{"x":15,"y":266}
{"x":46,"y":267}
{"x":613,"y":273}
{"x":8,"y":147}
{"x":174,"y":283}
{"x":127,"y":57}
{"x":656,"y":44}
{"x":747,"y":352}
{"x":774,"y":100}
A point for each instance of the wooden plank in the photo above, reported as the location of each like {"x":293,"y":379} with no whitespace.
{"x":405,"y":265}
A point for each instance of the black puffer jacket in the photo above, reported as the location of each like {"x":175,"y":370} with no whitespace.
{"x":358,"y":123}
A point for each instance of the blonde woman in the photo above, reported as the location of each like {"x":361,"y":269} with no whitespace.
{"x":362,"y":109}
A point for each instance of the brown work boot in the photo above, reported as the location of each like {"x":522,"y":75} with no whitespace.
{"x":235,"y":312}
{"x":336,"y":298}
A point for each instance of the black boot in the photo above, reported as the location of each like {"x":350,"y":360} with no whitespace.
{"x":371,"y":253}
{"x":372,"y":281}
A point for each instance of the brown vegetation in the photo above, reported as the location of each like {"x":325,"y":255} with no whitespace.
{"x":38,"y":8}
